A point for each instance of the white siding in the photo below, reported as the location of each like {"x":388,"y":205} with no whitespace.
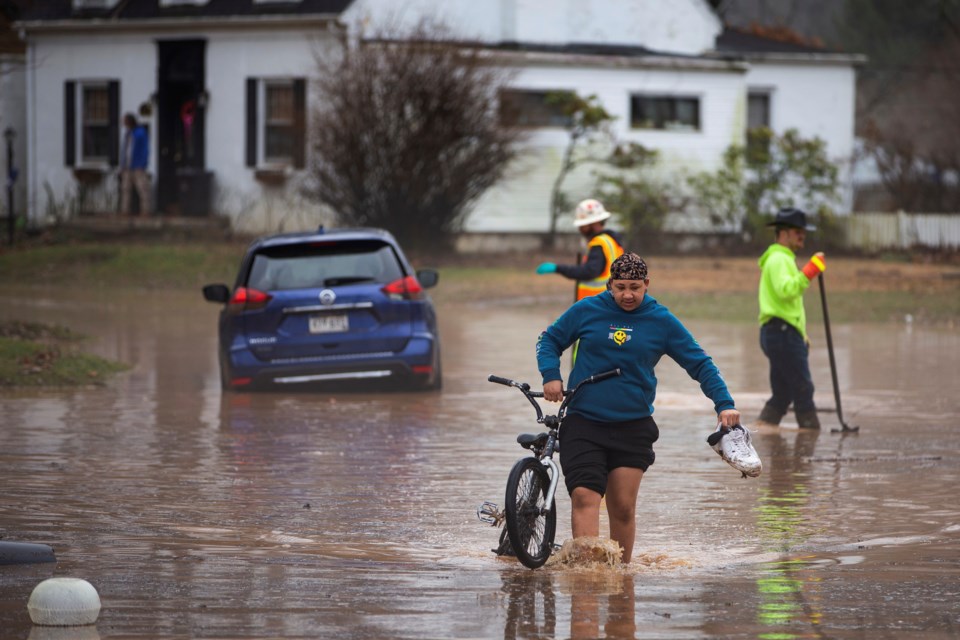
{"x":817,"y":100}
{"x":521,"y":203}
{"x":678,"y":26}
{"x":231,"y":58}
{"x":54,"y":60}
{"x":131,"y":58}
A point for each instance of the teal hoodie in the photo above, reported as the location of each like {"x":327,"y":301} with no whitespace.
{"x":782,"y":285}
{"x":634,"y":341}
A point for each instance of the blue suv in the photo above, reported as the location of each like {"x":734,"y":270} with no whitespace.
{"x":327,"y":306}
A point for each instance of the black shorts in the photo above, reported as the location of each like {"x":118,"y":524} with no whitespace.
{"x":590,"y":450}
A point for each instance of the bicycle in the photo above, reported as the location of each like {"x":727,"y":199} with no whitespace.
{"x":529,"y":509}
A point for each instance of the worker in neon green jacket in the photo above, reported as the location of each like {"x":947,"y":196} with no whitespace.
{"x":783,"y":322}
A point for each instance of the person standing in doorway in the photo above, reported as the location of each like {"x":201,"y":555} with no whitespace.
{"x":603,"y":247}
{"x":133,"y":166}
{"x":783,"y":322}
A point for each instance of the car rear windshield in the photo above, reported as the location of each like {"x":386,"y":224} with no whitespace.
{"x":323,"y":264}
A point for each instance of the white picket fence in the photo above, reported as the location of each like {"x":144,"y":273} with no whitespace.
{"x":875,"y":231}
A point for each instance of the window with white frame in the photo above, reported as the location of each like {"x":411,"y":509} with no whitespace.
{"x":279,"y":127}
{"x":758,"y":119}
{"x":531,"y":109}
{"x":758,"y":109}
{"x":671,"y":113}
{"x":276,"y":118}
{"x":92,"y":122}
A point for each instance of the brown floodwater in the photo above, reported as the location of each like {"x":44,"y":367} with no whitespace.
{"x":198,"y":514}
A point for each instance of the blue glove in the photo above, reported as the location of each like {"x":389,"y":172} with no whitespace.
{"x":546,"y":267}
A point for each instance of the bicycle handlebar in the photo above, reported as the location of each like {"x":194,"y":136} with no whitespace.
{"x":525,"y":389}
{"x":602,"y":376}
{"x":523,"y":386}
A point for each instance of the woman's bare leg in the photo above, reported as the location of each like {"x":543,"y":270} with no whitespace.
{"x":585,"y":512}
{"x":623,"y":486}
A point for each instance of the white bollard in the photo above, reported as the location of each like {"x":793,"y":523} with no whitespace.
{"x":64,"y":602}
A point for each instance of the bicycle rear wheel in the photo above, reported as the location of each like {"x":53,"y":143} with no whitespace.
{"x":530,"y":529}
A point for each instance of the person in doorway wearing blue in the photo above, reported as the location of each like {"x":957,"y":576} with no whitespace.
{"x":134,"y":158}
{"x":783,"y":321}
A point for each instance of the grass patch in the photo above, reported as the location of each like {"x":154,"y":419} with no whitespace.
{"x":39,"y":355}
{"x":119,"y":265}
{"x":884,"y":289}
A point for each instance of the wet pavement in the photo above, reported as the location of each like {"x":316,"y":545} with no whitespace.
{"x":352,"y":514}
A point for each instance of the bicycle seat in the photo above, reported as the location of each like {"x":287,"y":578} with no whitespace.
{"x":530,"y":441}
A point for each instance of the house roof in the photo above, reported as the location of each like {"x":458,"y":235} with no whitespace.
{"x":734,"y":40}
{"x":151,"y":9}
{"x":575,"y":48}
{"x":756,"y":47}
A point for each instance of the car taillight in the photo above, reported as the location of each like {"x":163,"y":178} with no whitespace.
{"x":407,"y":288}
{"x":245,"y":299}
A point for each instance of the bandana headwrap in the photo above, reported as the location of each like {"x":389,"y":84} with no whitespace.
{"x":629,"y":266}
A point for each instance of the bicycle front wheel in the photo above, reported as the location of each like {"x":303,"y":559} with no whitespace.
{"x":530,"y":527}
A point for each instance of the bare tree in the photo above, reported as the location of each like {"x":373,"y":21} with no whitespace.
{"x":406,"y":134}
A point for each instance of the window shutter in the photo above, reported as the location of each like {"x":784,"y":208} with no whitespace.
{"x":299,"y":122}
{"x":70,"y":123}
{"x":251,"y":122}
{"x":113,"y":98}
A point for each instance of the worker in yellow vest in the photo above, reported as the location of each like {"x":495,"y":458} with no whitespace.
{"x":603,"y":247}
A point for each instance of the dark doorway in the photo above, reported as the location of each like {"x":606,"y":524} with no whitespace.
{"x":183,"y":183}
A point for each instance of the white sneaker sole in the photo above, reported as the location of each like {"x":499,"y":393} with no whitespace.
{"x":735,"y":448}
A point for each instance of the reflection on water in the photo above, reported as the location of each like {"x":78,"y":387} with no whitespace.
{"x":786,"y":587}
{"x":352,"y":514}
{"x":531,"y":605}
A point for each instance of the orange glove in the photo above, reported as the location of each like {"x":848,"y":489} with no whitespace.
{"x":816,"y":266}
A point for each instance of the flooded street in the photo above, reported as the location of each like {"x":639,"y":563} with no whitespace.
{"x":198,"y":514}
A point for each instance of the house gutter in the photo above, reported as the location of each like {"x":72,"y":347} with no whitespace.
{"x":662,"y":62}
{"x":178,"y":24}
{"x":779,"y":57}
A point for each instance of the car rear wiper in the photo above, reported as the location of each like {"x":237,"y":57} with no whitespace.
{"x":333,"y":282}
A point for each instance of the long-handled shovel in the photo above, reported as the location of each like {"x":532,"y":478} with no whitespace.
{"x":576,"y":296}
{"x":833,"y":363}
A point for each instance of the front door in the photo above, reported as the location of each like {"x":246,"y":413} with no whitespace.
{"x":183,"y":184}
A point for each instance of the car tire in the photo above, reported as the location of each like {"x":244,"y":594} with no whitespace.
{"x":437,"y":383}
{"x":224,"y":378}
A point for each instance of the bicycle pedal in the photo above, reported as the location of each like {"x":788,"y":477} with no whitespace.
{"x":490,"y":513}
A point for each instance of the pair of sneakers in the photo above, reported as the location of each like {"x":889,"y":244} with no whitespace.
{"x":736,"y":449}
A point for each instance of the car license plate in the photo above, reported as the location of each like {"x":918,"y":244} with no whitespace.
{"x":329,"y":323}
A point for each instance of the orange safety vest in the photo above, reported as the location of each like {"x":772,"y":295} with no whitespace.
{"x":611,"y":251}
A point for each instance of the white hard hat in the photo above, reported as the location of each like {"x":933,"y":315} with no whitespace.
{"x":588,"y":212}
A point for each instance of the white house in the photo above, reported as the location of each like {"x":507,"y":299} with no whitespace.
{"x":224,"y":89}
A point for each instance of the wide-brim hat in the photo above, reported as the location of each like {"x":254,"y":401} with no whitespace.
{"x":790,"y":217}
{"x":590,"y":211}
